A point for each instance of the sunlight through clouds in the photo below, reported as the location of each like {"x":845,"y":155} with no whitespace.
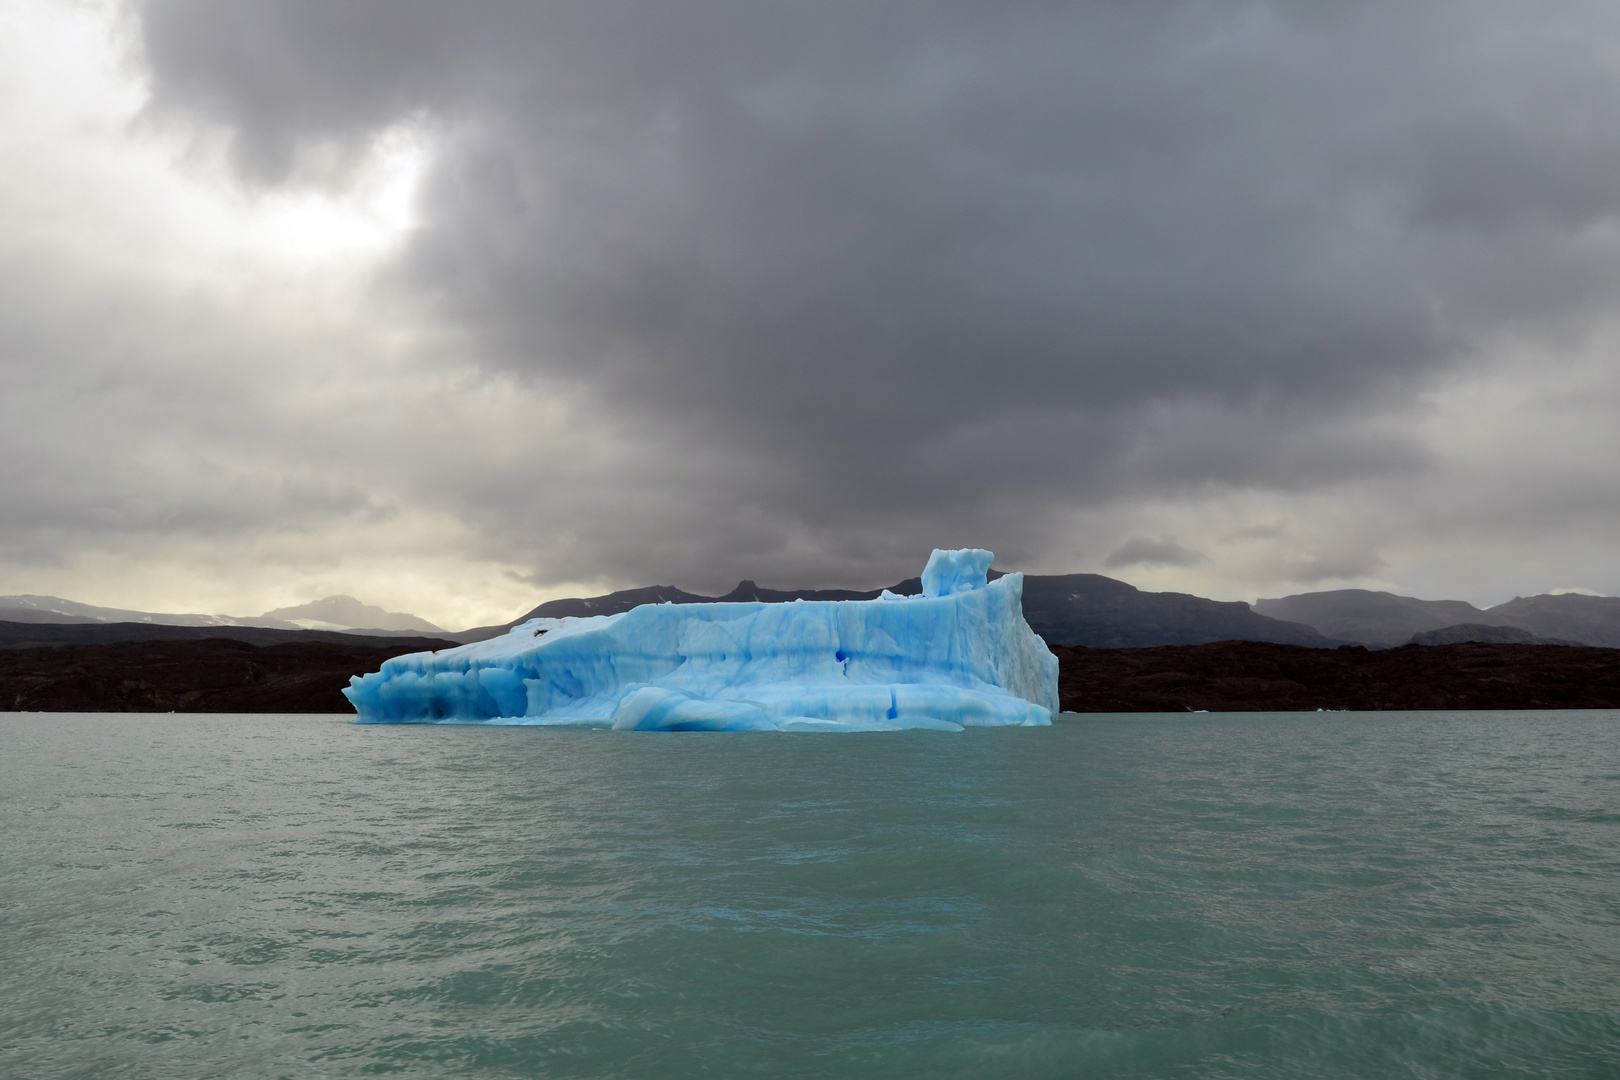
{"x":367,"y":219}
{"x":90,"y":171}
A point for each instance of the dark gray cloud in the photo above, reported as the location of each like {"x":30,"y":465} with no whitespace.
{"x":1146,"y":551}
{"x":915,"y":272}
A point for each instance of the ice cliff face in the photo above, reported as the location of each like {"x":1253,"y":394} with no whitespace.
{"x":960,"y":655}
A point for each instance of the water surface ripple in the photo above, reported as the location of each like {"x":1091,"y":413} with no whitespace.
{"x":1347,"y":895}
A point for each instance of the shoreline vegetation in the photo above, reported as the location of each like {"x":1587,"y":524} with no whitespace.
{"x":230,"y":676}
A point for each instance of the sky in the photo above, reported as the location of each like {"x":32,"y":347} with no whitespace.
{"x":457,"y":308}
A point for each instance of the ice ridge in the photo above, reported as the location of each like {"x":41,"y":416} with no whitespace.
{"x":960,"y":655}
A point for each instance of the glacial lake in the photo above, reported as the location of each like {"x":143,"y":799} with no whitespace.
{"x":1230,"y":895}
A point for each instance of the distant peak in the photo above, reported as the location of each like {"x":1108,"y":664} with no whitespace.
{"x":345,"y":611}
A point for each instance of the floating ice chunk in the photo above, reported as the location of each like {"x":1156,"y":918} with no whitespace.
{"x":961,"y":655}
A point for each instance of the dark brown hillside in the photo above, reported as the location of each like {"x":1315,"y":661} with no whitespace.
{"x":217,"y":675}
{"x":1250,"y":676}
{"x":212,"y":675}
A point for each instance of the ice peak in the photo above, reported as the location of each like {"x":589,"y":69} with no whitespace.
{"x":960,"y":571}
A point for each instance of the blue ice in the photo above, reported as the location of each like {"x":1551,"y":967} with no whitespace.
{"x":960,"y":655}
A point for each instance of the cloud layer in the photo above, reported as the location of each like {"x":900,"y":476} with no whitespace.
{"x":799,"y":290}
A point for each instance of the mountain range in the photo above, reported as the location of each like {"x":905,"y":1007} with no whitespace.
{"x":1382,"y":619}
{"x":1099,"y":612}
{"x":335,"y":613}
{"x":1065,"y":609}
{"x":1087,"y":610}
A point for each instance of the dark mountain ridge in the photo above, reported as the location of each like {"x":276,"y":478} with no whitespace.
{"x":1100,"y":612}
{"x":1371,"y":618}
{"x":1592,"y":620}
{"x":1383,"y":619}
{"x":1482,"y":634}
{"x":1064,"y":609}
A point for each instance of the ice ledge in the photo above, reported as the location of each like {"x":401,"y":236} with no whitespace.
{"x":960,"y":655}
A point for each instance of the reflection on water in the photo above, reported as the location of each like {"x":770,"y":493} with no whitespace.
{"x":1289,"y":896}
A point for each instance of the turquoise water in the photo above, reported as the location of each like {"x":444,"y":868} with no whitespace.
{"x":1337,"y":895}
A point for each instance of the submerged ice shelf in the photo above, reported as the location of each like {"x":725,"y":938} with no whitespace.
{"x":960,"y":655}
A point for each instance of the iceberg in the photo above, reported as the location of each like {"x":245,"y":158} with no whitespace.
{"x":959,"y":655}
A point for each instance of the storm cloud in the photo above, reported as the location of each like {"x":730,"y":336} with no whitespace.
{"x":839,"y":282}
